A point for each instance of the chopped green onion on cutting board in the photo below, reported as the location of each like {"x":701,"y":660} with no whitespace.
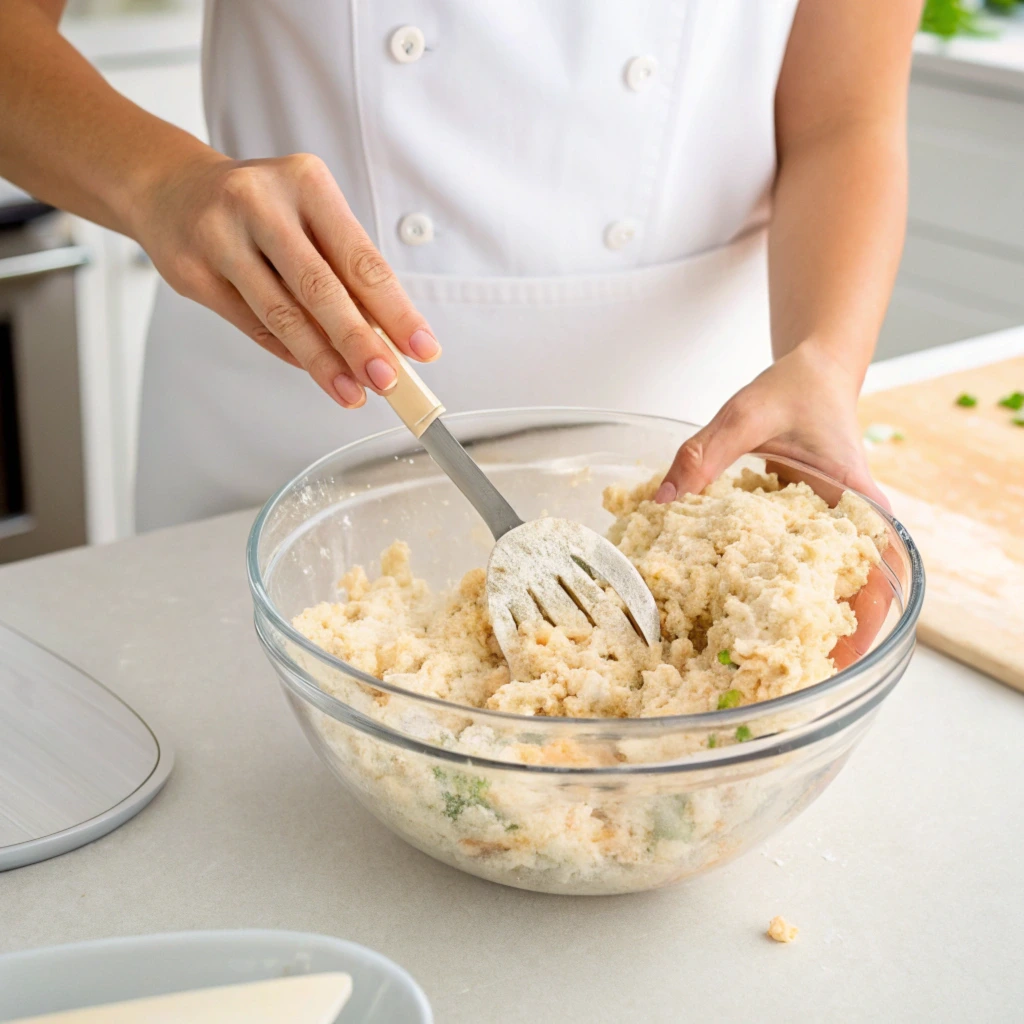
{"x":879,"y":433}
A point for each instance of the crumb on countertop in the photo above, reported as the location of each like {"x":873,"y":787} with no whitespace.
{"x":781,"y":930}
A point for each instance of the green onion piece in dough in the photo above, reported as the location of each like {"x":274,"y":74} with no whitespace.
{"x":725,"y":658}
{"x":712,"y":741}
{"x":1014,"y":401}
{"x":729,"y":699}
{"x":966,"y":400}
{"x":742,"y":734}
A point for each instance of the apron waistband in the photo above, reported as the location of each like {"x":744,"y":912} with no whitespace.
{"x":621,"y":286}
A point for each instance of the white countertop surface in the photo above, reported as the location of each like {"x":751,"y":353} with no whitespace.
{"x":937,"y":362}
{"x":905,"y":877}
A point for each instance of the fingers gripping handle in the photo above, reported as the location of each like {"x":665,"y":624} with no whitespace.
{"x":415,"y":403}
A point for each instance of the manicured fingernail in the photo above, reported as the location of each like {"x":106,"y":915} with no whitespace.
{"x":424,"y":345}
{"x":349,"y":391}
{"x":666,"y":493}
{"x":381,"y":373}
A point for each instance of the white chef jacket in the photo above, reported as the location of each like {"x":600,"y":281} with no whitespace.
{"x":574,"y":194}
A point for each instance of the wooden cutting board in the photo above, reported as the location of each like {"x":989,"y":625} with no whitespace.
{"x":956,"y":481}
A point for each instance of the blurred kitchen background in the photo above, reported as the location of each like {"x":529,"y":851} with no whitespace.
{"x":75,"y":299}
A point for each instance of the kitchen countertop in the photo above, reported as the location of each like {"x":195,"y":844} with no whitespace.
{"x":937,"y":362}
{"x":904,"y":877}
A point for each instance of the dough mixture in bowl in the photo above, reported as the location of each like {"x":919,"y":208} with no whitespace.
{"x":751,"y":578}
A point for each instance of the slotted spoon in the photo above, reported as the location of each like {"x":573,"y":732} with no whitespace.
{"x":548,"y":569}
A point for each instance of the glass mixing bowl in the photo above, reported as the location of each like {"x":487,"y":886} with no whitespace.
{"x":582,"y":806}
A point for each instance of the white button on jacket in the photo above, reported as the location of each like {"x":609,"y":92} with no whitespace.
{"x":639,"y":71}
{"x":620,"y":233}
{"x":407,"y":44}
{"x":519,"y":139}
{"x":416,"y":229}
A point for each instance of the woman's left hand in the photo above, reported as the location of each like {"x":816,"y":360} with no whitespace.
{"x":804,"y":407}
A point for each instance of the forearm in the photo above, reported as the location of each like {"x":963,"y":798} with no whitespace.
{"x":66,"y":136}
{"x":835,"y":241}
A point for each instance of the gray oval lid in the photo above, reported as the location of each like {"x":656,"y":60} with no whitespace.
{"x":75,"y":760}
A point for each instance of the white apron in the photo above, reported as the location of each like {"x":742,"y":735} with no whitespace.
{"x":591,"y":183}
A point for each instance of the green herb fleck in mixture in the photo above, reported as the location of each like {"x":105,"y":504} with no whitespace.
{"x":729,"y":699}
{"x":1014,"y":401}
{"x":742,"y":734}
{"x":672,"y":819}
{"x":712,"y":741}
{"x":966,"y":400}
{"x":461,"y":791}
{"x":725,"y":658}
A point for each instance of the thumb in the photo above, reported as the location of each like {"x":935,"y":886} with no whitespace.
{"x":738,"y":427}
{"x":858,"y":476}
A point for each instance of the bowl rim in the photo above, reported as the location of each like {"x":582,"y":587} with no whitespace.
{"x":697,"y":721}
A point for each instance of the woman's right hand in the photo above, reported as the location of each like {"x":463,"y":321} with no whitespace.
{"x":272,"y":246}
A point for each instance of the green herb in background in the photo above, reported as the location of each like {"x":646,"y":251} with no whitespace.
{"x":966,"y":400}
{"x":949,"y":18}
{"x":1018,"y":421}
{"x":1013,"y":401}
{"x":729,"y":699}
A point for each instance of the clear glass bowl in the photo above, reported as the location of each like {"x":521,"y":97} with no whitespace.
{"x":582,"y":806}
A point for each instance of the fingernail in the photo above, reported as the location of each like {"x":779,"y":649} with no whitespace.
{"x":424,"y":345}
{"x":349,"y":391}
{"x":381,"y":373}
{"x":666,"y":493}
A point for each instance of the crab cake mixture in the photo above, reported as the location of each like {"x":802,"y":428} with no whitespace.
{"x":752,"y":580}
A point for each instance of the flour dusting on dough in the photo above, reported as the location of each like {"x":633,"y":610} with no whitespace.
{"x":751,"y":580}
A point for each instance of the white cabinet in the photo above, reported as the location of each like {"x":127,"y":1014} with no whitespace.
{"x":962,"y":272}
{"x":116,"y":292}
